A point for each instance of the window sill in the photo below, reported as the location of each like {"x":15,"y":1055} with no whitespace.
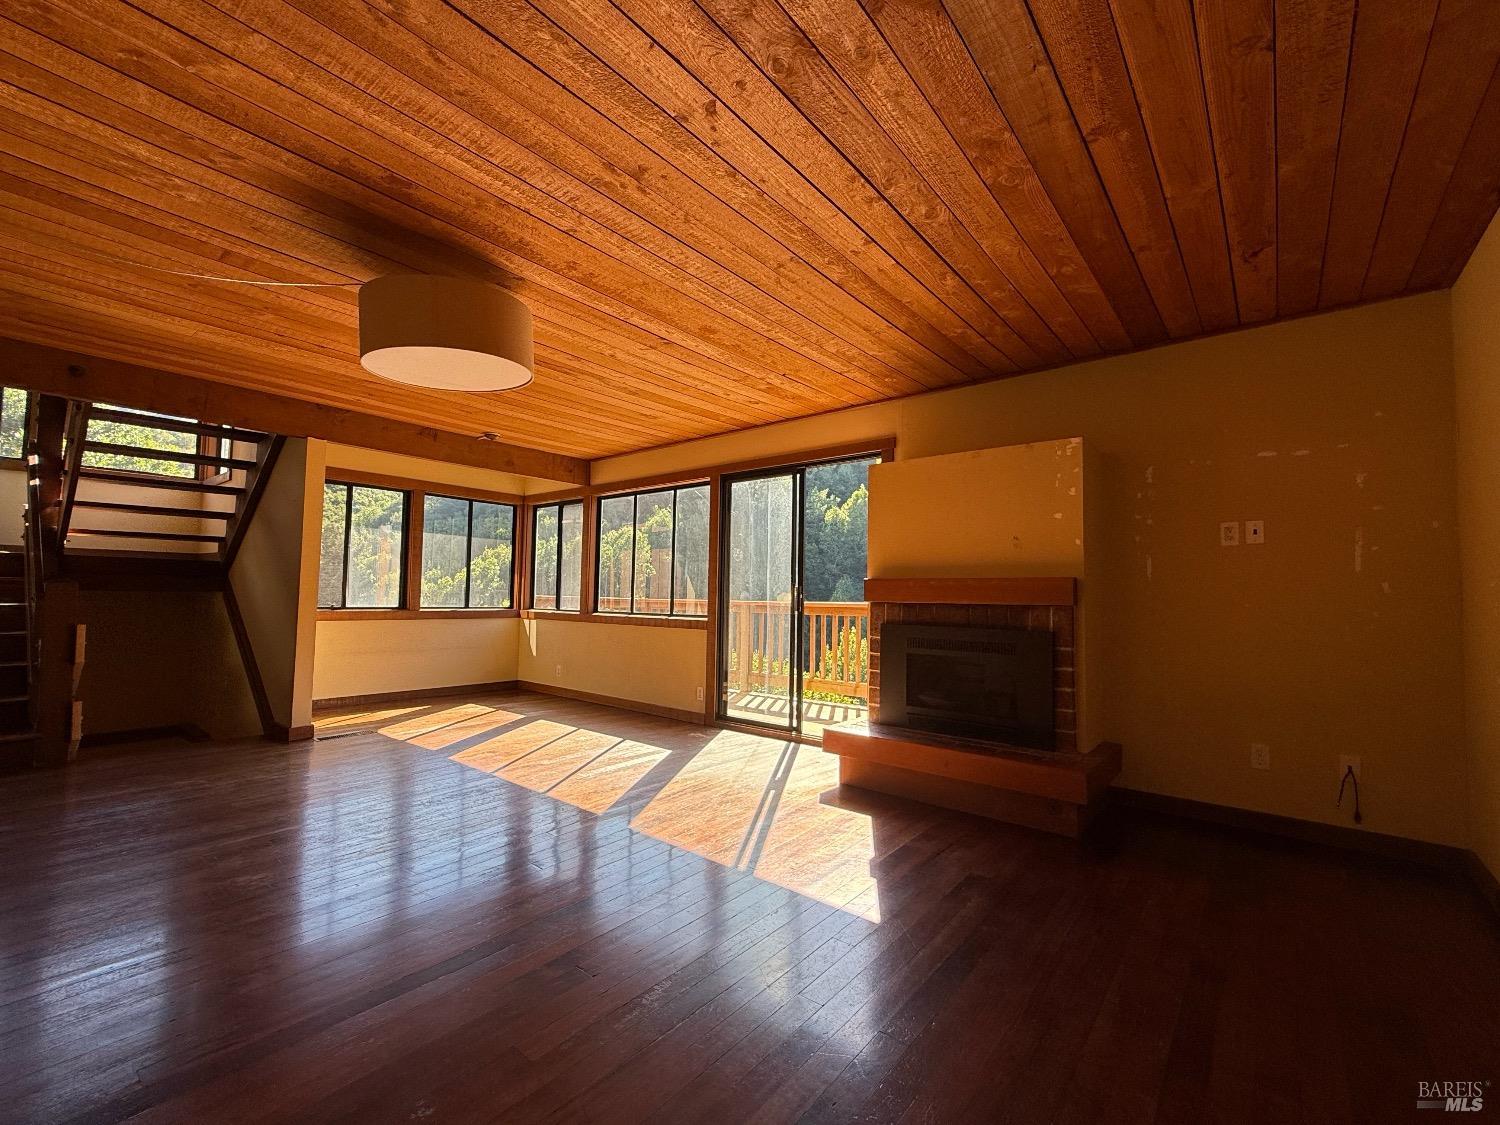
{"x":615,"y":619}
{"x":410,"y":614}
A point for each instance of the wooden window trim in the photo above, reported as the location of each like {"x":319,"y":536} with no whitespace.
{"x":650,"y":620}
{"x":406,"y":561}
{"x":412,"y":614}
{"x":882,"y":446}
{"x":585,"y":561}
{"x":419,"y":529}
{"x":635,"y":495}
{"x":416,"y":492}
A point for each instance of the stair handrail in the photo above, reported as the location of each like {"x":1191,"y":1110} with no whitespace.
{"x":76,"y":429}
{"x":34,"y":537}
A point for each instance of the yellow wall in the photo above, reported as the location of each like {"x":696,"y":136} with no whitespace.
{"x":643,"y":663}
{"x":1338,"y":635}
{"x":269,"y":581}
{"x":12,"y":501}
{"x":372,"y":657}
{"x":437,"y":472}
{"x":1476,"y":350}
{"x":1017,"y":510}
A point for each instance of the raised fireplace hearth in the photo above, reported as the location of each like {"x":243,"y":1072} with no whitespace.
{"x":972,"y":702}
{"x":970,"y":681}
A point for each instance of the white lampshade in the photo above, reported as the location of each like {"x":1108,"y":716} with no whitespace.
{"x":444,"y":332}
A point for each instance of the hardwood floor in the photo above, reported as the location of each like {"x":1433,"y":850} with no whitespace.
{"x":517,"y":908}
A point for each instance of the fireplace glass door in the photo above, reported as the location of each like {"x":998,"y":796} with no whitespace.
{"x":794,"y":628}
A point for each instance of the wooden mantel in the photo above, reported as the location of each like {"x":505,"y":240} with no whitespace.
{"x":973,"y":591}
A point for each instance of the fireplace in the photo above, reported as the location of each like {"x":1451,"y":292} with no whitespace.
{"x":992,"y":683}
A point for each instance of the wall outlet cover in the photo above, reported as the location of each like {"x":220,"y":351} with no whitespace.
{"x":1255,"y":531}
{"x":1260,"y":756}
{"x":1229,"y":533}
{"x":1348,"y":761}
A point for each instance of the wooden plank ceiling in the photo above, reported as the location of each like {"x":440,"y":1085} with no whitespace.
{"x":731,"y":212}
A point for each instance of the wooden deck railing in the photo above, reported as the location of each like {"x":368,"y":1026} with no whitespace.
{"x":835,"y":656}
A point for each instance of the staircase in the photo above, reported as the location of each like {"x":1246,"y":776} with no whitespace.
{"x":15,"y":665}
{"x":107,"y":513}
{"x":194,"y":518}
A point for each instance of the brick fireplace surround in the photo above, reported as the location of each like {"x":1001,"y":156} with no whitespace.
{"x":1056,"y":791}
{"x":1057,"y":619}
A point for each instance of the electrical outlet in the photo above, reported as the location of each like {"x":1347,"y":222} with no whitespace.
{"x":1347,"y":762}
{"x":1229,"y":533}
{"x":700,"y":694}
{"x":558,"y":670}
{"x":1255,"y":531}
{"x":1260,"y":756}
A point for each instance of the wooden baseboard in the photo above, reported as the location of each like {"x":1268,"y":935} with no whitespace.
{"x":279,"y":733}
{"x":1444,"y":856}
{"x":334,"y":702}
{"x":694,"y":717}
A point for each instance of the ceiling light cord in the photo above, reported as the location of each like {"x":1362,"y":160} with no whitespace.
{"x":227,"y":280}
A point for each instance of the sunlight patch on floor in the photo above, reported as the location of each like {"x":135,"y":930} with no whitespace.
{"x":601,"y":783}
{"x":362,"y":718}
{"x":745,"y":801}
{"x":465,"y":729}
{"x":425,"y":724}
{"x":491,"y":755}
{"x":752,"y":803}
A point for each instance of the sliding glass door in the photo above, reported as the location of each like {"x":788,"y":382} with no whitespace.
{"x":793,"y":622}
{"x":761,"y":600}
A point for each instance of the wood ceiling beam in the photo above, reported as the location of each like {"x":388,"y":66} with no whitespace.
{"x":76,"y":375}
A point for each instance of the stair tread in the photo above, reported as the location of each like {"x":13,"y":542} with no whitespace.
{"x":148,"y":454}
{"x":129,"y":533}
{"x":154,"y":510}
{"x":177,"y":484}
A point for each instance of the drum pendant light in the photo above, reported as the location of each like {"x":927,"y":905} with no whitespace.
{"x":446,"y":333}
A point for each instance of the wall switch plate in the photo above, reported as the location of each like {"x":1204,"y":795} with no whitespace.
{"x":1260,"y":756}
{"x":1255,"y":531}
{"x":1229,"y":533}
{"x":1349,"y":761}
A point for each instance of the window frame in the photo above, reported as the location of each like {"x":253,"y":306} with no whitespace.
{"x":421,"y":528}
{"x":411,"y":579}
{"x":635,"y":519}
{"x":406,"y":508}
{"x":19,"y":460}
{"x":535,"y":511}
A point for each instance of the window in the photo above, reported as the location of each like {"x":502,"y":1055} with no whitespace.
{"x":653,"y":552}
{"x":364,"y":547}
{"x":12,"y":423}
{"x":557,"y":556}
{"x":466,"y":553}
